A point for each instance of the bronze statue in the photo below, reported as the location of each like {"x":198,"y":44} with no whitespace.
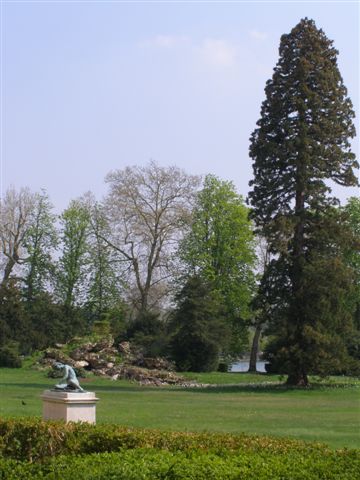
{"x":72,"y":383}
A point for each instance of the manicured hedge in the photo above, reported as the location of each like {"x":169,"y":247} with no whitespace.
{"x":152,"y":464}
{"x":34,"y":440}
{"x":34,"y":449}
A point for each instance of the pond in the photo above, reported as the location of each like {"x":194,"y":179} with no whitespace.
{"x":243,"y":366}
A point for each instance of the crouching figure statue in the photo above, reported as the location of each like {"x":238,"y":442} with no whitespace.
{"x":69,"y":382}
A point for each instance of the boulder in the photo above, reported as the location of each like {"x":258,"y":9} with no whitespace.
{"x":95,"y":360}
{"x":124,"y":348}
{"x":103,"y":344}
{"x":81,"y":364}
{"x":157,"y":363}
{"x":79,"y":352}
{"x":58,"y":356}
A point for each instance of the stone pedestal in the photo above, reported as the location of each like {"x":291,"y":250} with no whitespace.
{"x":69,"y":406}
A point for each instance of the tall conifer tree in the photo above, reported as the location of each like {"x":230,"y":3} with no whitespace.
{"x":302,"y":142}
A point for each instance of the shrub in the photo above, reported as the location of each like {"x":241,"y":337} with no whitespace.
{"x":101,"y":327}
{"x":34,"y":439}
{"x":152,"y":464}
{"x":147,"y":331}
{"x":33,"y":449}
{"x":9,"y":357}
{"x":223,"y":367}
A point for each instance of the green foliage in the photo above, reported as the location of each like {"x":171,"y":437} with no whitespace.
{"x":35,"y":324}
{"x":149,"y":333}
{"x":9,"y":356}
{"x":352,"y":258}
{"x":223,"y":366}
{"x":101,"y":327}
{"x":157,"y":464}
{"x":220,"y":249}
{"x":198,"y":327}
{"x":71,"y":266}
{"x":14,"y":320}
{"x":40,"y":241}
{"x":301,"y":142}
{"x":326,"y":281}
{"x":49,"y":450}
{"x":104,"y":288}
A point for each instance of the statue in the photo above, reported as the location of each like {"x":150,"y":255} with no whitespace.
{"x":72,"y":383}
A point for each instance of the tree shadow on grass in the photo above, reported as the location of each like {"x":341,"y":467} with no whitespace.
{"x":27,"y":385}
{"x":258,"y":388}
{"x":104,"y":388}
{"x":271,"y":388}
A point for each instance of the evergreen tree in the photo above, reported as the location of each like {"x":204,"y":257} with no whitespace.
{"x":198,"y":327}
{"x":352,"y":257}
{"x":301,"y":142}
{"x":15,"y":325}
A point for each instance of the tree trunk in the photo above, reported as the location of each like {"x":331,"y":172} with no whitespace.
{"x":8,"y":269}
{"x":255,"y":349}
{"x":298,"y":379}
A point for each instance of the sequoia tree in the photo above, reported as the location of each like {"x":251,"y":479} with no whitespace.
{"x":301,"y":143}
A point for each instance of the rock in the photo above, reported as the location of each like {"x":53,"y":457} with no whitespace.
{"x":79,"y":352}
{"x":156,"y":363}
{"x":101,"y":358}
{"x":95,"y":361}
{"x":115,"y":370}
{"x":108,"y":357}
{"x":149,"y":377}
{"x":58,"y":356}
{"x":81,"y":364}
{"x":104,"y":343}
{"x":124,"y":348}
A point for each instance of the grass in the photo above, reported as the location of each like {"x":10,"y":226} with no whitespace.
{"x":329,"y":412}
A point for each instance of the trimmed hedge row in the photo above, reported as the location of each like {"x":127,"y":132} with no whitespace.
{"x":150,"y":464}
{"x":34,"y":450}
{"x":35,"y":440}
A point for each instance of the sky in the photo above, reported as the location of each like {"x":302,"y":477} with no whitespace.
{"x":88,"y":87}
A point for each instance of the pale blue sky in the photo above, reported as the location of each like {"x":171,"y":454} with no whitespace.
{"x":88,"y":87}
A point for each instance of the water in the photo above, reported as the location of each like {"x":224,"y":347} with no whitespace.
{"x":243,"y":366}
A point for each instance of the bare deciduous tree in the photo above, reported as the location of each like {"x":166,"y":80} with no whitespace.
{"x":147,"y":209}
{"x":15,"y":219}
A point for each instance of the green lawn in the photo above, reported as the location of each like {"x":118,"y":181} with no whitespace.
{"x":256,"y":404}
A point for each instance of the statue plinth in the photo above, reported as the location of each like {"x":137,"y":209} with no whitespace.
{"x":69,"y":406}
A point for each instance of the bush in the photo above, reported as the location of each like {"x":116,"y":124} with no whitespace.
{"x":147,"y":331}
{"x":152,"y":464}
{"x":33,"y":440}
{"x":223,"y":367}
{"x":9,"y":357}
{"x":101,"y":327}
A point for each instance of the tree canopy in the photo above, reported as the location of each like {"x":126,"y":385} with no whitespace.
{"x":220,"y":249}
